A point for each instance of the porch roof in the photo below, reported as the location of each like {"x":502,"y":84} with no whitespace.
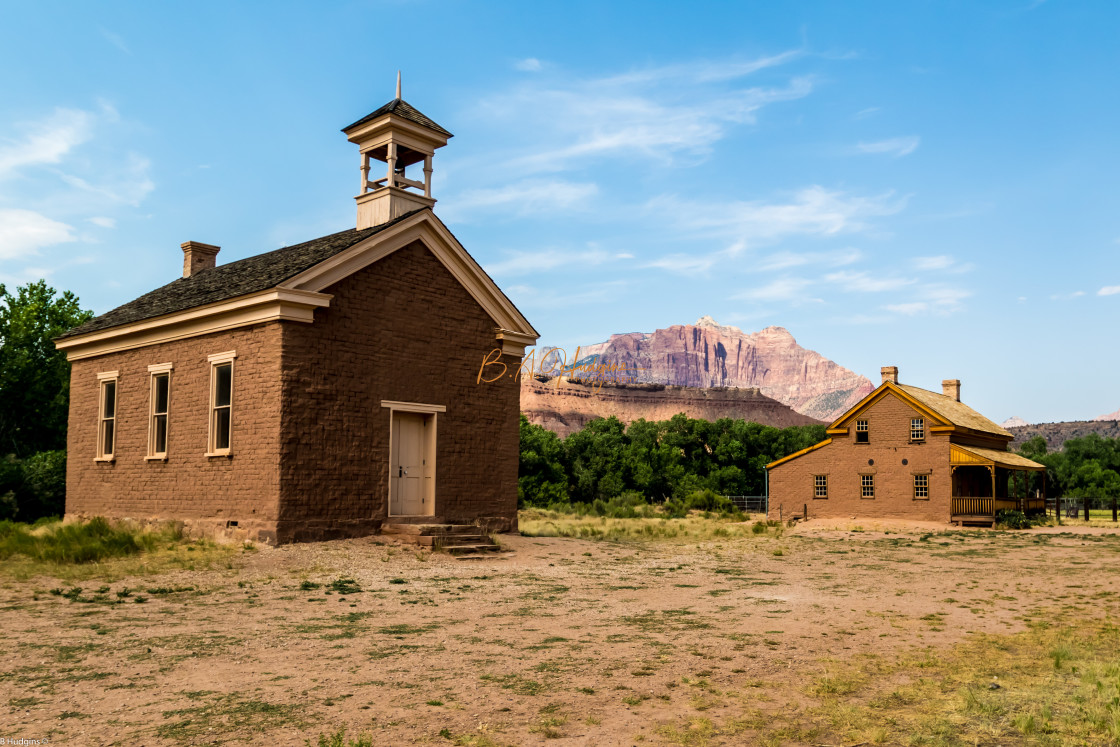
{"x":961,"y":456}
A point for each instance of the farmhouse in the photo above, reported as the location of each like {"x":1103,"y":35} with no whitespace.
{"x":905,"y":452}
{"x":324,"y":389}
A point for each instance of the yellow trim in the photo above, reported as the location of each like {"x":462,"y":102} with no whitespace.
{"x":796,"y":454}
{"x":885,"y":388}
{"x":837,"y":431}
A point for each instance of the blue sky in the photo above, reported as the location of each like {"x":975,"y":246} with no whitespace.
{"x":927,"y":185}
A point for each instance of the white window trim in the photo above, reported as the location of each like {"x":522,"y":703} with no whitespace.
{"x":102,"y":377}
{"x":872,"y":486}
{"x":216,"y":360}
{"x":154,"y":370}
{"x":412,"y":406}
{"x":815,"y":486}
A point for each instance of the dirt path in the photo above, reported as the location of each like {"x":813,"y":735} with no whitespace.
{"x":562,"y":640}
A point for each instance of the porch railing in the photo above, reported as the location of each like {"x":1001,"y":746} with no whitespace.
{"x":973,"y":507}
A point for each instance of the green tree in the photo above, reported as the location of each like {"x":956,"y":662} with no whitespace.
{"x":34,"y":376}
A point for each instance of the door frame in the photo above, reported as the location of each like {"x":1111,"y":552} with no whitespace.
{"x":415,"y":408}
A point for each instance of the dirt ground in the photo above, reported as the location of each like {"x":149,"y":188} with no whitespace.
{"x":558,"y":641}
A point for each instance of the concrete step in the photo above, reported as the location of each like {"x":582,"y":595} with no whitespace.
{"x":450,"y":540}
{"x":472,"y":549}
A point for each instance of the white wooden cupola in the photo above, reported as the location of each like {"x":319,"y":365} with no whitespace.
{"x":399,"y":136}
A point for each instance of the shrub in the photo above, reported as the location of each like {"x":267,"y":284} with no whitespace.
{"x":1015,"y":519}
{"x":76,"y":542}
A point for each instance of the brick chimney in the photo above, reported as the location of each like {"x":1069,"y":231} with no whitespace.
{"x":951,"y":388}
{"x":198,"y":256}
{"x":890,"y":373}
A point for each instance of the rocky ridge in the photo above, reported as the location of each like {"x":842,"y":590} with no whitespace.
{"x":709,"y":354}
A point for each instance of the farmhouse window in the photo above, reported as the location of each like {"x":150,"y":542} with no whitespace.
{"x":159,"y":402}
{"x":861,"y":432}
{"x":867,"y":486}
{"x":917,"y":429}
{"x":921,"y":487}
{"x":221,"y":403}
{"x":820,"y":486}
{"x":107,"y":416}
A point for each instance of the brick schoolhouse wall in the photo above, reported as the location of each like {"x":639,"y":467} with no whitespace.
{"x":843,"y":461}
{"x":402,"y":329}
{"x":189,"y":485}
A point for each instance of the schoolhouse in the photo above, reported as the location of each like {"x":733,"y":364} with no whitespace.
{"x":320,"y":390}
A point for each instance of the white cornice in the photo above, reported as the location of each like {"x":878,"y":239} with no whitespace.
{"x":269,"y":305}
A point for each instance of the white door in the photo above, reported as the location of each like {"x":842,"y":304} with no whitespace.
{"x":408,"y":486}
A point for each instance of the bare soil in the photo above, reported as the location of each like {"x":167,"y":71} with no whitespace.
{"x":559,"y":641}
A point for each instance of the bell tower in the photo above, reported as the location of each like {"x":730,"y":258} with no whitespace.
{"x":398,"y":136}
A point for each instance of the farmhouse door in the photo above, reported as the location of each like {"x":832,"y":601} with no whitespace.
{"x":410,"y":488}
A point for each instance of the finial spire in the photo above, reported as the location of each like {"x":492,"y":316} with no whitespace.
{"x":398,"y":84}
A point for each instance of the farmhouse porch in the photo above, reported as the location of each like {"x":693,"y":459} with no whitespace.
{"x":982,"y":484}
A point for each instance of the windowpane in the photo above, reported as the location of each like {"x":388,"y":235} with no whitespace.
{"x":867,"y":486}
{"x":820,"y":486}
{"x":861,"y":432}
{"x":162,"y":383}
{"x":917,"y":429}
{"x":223,"y":384}
{"x":106,"y":437}
{"x":109,"y":409}
{"x":159,"y":434}
{"x":921,"y":486}
{"x":221,"y":428}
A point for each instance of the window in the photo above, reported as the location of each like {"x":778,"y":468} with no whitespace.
{"x":221,"y":403}
{"x":820,"y":486}
{"x":159,"y":399}
{"x":107,"y":416}
{"x":867,"y":486}
{"x":921,"y":487}
{"x":861,"y":432}
{"x":917,"y":429}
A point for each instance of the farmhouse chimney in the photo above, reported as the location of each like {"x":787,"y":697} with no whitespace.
{"x":951,"y":388}
{"x":890,"y":373}
{"x":198,"y":256}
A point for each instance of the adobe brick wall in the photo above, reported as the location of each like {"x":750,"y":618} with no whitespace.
{"x":205,"y":492}
{"x":843,"y":460}
{"x":402,"y":329}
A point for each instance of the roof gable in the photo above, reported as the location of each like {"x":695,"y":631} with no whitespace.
{"x":940,"y":408}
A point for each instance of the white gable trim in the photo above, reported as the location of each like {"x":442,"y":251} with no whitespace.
{"x":429,"y":230}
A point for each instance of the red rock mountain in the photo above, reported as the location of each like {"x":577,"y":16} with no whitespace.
{"x":564,"y":406}
{"x":707,"y":354}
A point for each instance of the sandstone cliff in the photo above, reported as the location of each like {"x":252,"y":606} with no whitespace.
{"x":707,"y":354}
{"x":565,"y":407}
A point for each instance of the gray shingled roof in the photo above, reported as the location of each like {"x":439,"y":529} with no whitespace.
{"x":404,"y":110}
{"x":239,"y":278}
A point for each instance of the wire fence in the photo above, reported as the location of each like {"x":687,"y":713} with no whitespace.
{"x":749,"y":504}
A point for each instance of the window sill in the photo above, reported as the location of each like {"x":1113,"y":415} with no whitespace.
{"x":158,"y":458}
{"x":820,"y":497}
{"x":105,"y":460}
{"x":917,"y":442}
{"x":216,"y":454}
{"x":922,"y":499}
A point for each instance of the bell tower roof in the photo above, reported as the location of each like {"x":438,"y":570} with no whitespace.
{"x":400,"y":108}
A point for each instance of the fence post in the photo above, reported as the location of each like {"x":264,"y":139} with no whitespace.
{"x":1113,"y":509}
{"x":1086,"y":502}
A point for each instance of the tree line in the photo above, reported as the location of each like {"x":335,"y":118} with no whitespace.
{"x":1086,"y":467}
{"x":659,"y":461}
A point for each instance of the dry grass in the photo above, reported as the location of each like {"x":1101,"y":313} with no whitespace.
{"x":695,"y":528}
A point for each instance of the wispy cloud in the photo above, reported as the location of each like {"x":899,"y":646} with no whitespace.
{"x":1069,"y":296}
{"x":521,"y":198}
{"x":939,"y":300}
{"x":24,"y":232}
{"x":46,"y":141}
{"x":103,"y":222}
{"x":811,"y":211}
{"x":780,"y":289}
{"x":784,"y":260}
{"x":654,"y":113}
{"x":528,"y":65}
{"x":115,"y":39}
{"x":126,"y":182}
{"x":524,"y":263}
{"x":942,"y":263}
{"x":863,"y":282}
{"x":895,"y":146}
{"x":1109,"y":290}
{"x":865,"y":113}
